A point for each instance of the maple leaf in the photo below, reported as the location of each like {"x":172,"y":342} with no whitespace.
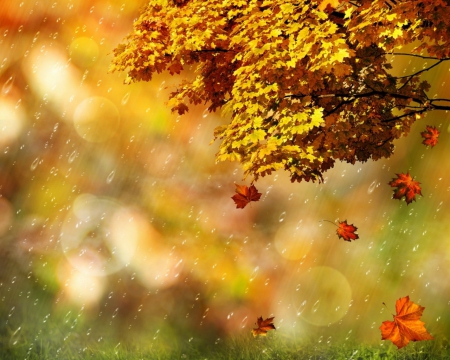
{"x":406,"y":187}
{"x":347,"y":231}
{"x":244,"y":195}
{"x":263,"y":326}
{"x":430,"y":136}
{"x":406,"y":326}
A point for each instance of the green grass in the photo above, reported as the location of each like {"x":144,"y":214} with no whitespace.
{"x":75,"y":346}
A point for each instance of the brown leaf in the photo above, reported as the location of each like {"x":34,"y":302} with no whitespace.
{"x":347,"y":231}
{"x":406,"y":326}
{"x":430,"y":136}
{"x":244,"y":195}
{"x":263,"y":326}
{"x":406,"y":187}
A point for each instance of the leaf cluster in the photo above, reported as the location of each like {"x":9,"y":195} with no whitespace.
{"x":303,"y":83}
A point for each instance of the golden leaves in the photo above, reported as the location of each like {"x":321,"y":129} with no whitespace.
{"x":301,"y":86}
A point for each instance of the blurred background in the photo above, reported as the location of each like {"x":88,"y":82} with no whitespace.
{"x":117,"y":226}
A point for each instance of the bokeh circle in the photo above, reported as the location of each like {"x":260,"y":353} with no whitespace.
{"x":96,"y":119}
{"x":322,"y":295}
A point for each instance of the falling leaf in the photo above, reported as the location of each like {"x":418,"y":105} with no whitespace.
{"x":244,"y":195}
{"x":406,"y":326}
{"x":430,"y":136}
{"x":347,"y":231}
{"x":263,"y":326}
{"x":406,"y":187}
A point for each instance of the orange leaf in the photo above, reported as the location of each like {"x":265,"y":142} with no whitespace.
{"x":406,"y":187}
{"x":244,"y":195}
{"x":347,"y":231}
{"x":263,"y":326}
{"x":406,"y":326}
{"x":430,"y":136}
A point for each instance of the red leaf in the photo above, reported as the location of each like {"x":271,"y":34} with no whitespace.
{"x":406,"y":326}
{"x":347,"y":231}
{"x":263,"y":326}
{"x":430,"y":136}
{"x":244,"y":195}
{"x":406,"y":187}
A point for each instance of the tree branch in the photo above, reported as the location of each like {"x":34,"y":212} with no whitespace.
{"x":416,"y":55}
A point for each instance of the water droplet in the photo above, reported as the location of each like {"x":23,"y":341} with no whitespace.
{"x":7,"y":86}
{"x":372,"y":187}
{"x":282,"y":216}
{"x":254,"y":273}
{"x":72,"y":157}
{"x":315,"y":307}
{"x":110,"y":177}
{"x":125,"y":98}
{"x":15,"y":336}
{"x":34,"y":164}
{"x":115,"y":313}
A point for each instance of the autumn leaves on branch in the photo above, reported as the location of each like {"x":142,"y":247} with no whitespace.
{"x":301,"y":84}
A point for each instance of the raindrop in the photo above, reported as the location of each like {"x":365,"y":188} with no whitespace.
{"x":46,"y":318}
{"x":315,"y":307}
{"x":34,"y":164}
{"x":11,"y":311}
{"x":125,"y":98}
{"x":205,"y":113}
{"x":15,"y":336}
{"x":72,"y":157}
{"x":254,"y":273}
{"x":115,"y":313}
{"x":110,"y":177}
{"x":372,"y":187}
{"x":7,"y":85}
{"x":301,"y":308}
{"x":282,"y":216}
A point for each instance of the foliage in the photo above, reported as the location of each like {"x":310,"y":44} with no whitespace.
{"x":347,"y":231}
{"x":406,"y":326}
{"x":430,"y":136}
{"x":406,"y":187}
{"x":244,"y":195}
{"x":263,"y":326}
{"x":305,"y":83}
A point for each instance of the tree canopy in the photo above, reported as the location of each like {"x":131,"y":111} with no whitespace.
{"x":302,"y":83}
